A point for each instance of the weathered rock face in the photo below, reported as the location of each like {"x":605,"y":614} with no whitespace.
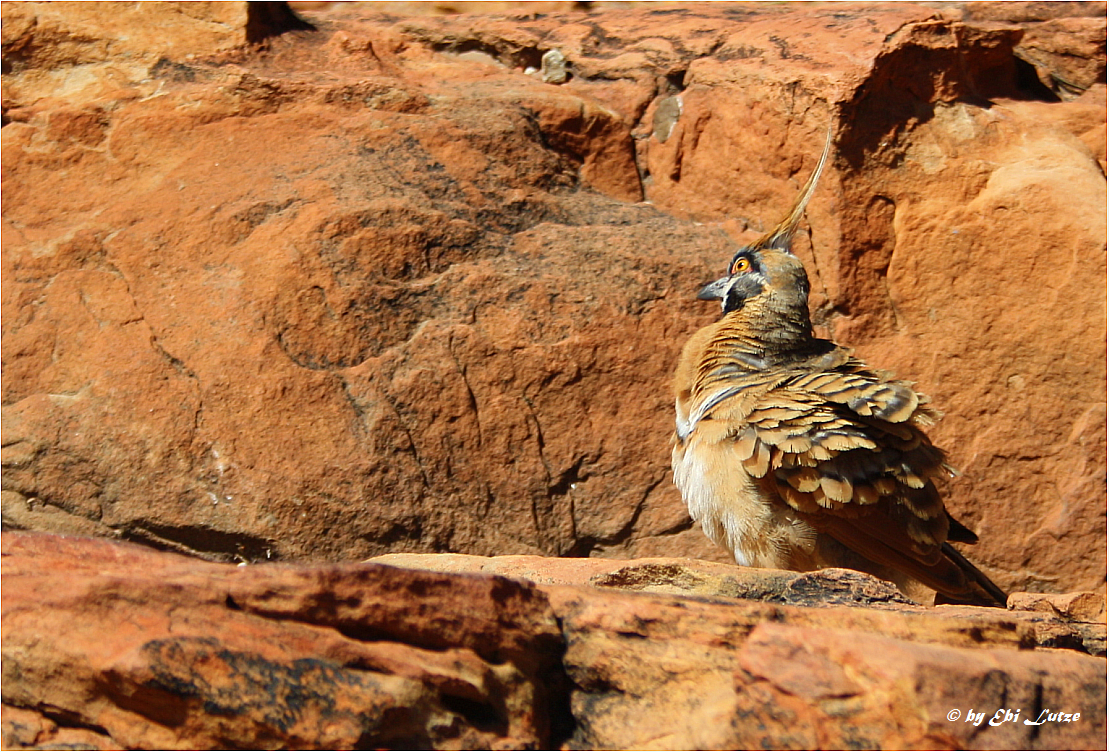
{"x":109,"y":645}
{"x":214,"y":657}
{"x":374,"y":288}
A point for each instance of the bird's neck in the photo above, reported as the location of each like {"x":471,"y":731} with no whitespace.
{"x":755,"y":339}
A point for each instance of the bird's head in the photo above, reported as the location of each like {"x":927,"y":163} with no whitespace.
{"x":767,"y":270}
{"x":759,"y":272}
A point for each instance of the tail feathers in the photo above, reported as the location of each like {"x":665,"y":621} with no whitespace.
{"x":958,"y":532}
{"x":883,"y":541}
{"x":986,"y":592}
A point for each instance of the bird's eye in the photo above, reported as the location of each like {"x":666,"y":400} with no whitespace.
{"x":741,"y":265}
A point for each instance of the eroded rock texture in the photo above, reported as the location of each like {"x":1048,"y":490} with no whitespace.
{"x":329,"y":288}
{"x":109,"y":645}
{"x":160,"y":651}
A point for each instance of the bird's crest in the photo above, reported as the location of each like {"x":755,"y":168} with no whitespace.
{"x":782,"y":235}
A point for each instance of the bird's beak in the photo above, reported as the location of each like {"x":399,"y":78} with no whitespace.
{"x":715,"y":290}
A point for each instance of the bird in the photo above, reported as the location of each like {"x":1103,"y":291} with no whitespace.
{"x":794,"y":454}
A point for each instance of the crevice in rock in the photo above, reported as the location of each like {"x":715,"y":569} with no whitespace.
{"x":557,"y":686}
{"x":1029,"y":83}
{"x":909,"y":79}
{"x":504,"y":52}
{"x":584,"y":546}
{"x":687,"y":524}
{"x":675,"y":80}
{"x":481,"y":715}
{"x":201,"y":542}
{"x":410,"y":532}
{"x":65,"y":719}
{"x":1077,"y":641}
{"x":568,"y":478}
{"x":411,"y":439}
{"x":471,"y":398}
{"x":536,"y":521}
{"x":540,"y":441}
{"x":358,"y":427}
{"x":177,"y":364}
{"x":1034,"y":714}
{"x":552,"y":684}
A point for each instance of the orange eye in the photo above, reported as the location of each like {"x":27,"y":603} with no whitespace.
{"x":741,"y":265}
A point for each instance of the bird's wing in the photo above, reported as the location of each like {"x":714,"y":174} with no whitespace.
{"x":844,"y":448}
{"x":846,"y":444}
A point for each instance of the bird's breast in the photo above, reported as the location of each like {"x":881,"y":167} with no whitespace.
{"x":736,"y":510}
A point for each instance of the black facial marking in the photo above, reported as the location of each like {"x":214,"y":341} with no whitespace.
{"x":744,"y":288}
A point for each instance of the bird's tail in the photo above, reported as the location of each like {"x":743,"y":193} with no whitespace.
{"x":984,"y":591}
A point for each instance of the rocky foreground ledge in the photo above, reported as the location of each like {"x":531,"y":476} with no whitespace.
{"x":109,"y":645}
{"x":332,"y":294}
{"x":363,"y":283}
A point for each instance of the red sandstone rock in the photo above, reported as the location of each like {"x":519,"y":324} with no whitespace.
{"x":1058,"y":621}
{"x":112,"y":645}
{"x":1087,"y":607}
{"x":802,"y":688}
{"x":1063,"y":42}
{"x":376,"y":288}
{"x":159,"y":651}
{"x":841,"y":684}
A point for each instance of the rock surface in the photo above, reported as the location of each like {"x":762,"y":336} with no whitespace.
{"x":109,"y":645}
{"x":374,"y":287}
{"x":214,"y":656}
